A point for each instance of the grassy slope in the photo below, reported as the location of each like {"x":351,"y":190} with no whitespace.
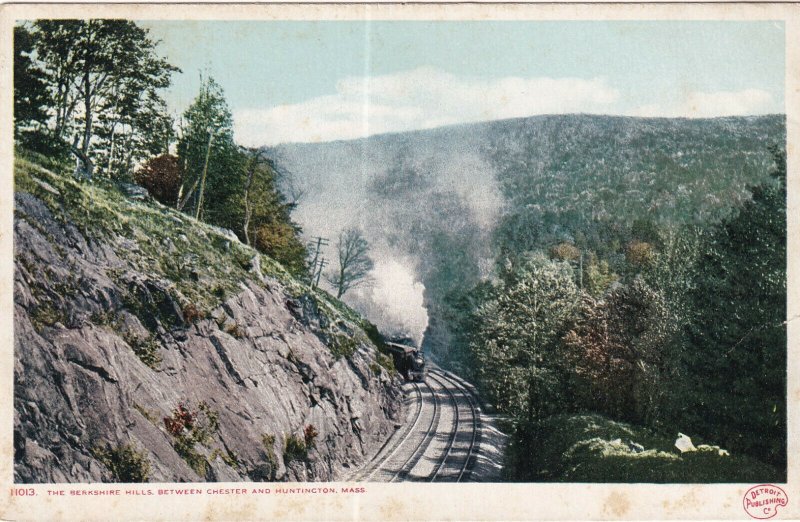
{"x":203,"y":267}
{"x":584,"y":448}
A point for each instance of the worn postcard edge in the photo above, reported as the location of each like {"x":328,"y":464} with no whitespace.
{"x":402,"y":501}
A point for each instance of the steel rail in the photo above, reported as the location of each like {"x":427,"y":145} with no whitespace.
{"x":419,"y":451}
{"x":377,"y":461}
{"x":476,"y":423}
{"x":453,"y":432}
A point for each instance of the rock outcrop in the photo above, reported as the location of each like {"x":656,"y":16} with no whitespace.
{"x":151,"y":347}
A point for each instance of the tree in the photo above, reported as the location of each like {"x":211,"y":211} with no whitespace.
{"x":267,"y":223}
{"x":30,"y":90}
{"x":736,"y":389}
{"x":516,"y":345}
{"x":616,"y":352}
{"x":233,"y":187}
{"x":162,"y":177}
{"x":101,"y":74}
{"x":211,"y":160}
{"x":354,"y":262}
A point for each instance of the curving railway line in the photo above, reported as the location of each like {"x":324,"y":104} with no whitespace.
{"x":439,"y":439}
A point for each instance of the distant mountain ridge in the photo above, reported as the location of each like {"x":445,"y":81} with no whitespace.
{"x":450,"y":199}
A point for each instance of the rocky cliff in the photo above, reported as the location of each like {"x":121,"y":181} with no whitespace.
{"x":149,"y":346}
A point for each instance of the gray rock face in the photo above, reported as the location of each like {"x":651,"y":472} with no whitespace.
{"x":106,"y":357}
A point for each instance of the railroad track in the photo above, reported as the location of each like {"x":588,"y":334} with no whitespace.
{"x":464,"y":440}
{"x":439,"y":439}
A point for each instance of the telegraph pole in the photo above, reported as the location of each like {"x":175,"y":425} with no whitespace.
{"x":320,"y":242}
{"x":322,"y":264}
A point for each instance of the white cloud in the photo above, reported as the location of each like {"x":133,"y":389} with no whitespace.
{"x":424,"y":98}
{"x":700,"y":104}
{"x":418,"y":99}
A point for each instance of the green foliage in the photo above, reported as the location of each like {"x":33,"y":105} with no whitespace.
{"x":383,"y":361}
{"x":104,"y":79}
{"x":146,"y":349}
{"x":294,"y":448}
{"x":46,"y":314}
{"x":735,"y":389}
{"x":30,"y":94}
{"x":342,"y":345}
{"x":297,"y":447}
{"x":598,"y":276}
{"x":674,"y":271}
{"x":267,"y":222}
{"x":593,"y":448}
{"x":373,"y":334}
{"x":615,"y":179}
{"x":234,"y":188}
{"x":268,"y":441}
{"x":213,"y":167}
{"x":125,"y":462}
{"x":515,"y":345}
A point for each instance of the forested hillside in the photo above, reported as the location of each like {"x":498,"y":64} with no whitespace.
{"x":586,"y":263}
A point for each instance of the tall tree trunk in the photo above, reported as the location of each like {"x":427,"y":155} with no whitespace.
{"x":87,"y":126}
{"x":87,"y":104}
{"x":248,"y":211}
{"x":203,"y":179}
{"x":111,"y":150}
{"x":341,"y":289}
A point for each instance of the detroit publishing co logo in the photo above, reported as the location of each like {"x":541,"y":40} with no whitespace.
{"x":763,"y":501}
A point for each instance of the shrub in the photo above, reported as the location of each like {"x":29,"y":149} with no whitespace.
{"x":382,"y":361}
{"x":146,"y":349}
{"x":342,"y":345}
{"x":45,"y":314}
{"x":294,"y":448}
{"x":310,"y":435}
{"x":268,"y":440}
{"x":125,"y":462}
{"x":593,"y":448}
{"x":192,"y":314}
{"x":235,"y":330}
{"x":162,"y":177}
{"x":190,"y":428}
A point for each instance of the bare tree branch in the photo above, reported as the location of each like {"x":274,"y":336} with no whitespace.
{"x":354,"y":262}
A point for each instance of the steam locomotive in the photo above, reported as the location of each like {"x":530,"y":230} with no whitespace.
{"x":408,"y":359}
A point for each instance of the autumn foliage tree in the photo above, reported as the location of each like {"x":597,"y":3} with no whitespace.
{"x":615,"y":351}
{"x":267,"y":223}
{"x":162,"y":177}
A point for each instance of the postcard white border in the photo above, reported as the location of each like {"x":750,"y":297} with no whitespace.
{"x":404,"y":501}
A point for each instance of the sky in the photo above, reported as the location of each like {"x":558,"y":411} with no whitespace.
{"x":311,"y":81}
